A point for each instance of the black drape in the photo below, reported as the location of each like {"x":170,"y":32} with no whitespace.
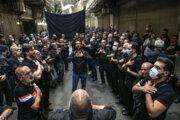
{"x":65,"y":24}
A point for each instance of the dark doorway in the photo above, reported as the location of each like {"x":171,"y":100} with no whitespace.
{"x":28,"y":27}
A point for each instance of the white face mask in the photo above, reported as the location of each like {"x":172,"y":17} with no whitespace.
{"x":114,"y":48}
{"x":123,"y":51}
{"x":154,"y":73}
{"x":91,"y":40}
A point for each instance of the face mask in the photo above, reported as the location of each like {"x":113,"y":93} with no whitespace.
{"x":29,"y":80}
{"x":91,"y":40}
{"x":154,"y":73}
{"x":12,"y":40}
{"x":128,"y":52}
{"x":114,"y":48}
{"x":18,"y":53}
{"x":123,"y":51}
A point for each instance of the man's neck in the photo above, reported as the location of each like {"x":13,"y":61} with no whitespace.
{"x":25,"y":83}
{"x":159,"y":81}
{"x":134,"y":55}
{"x":79,"y":50}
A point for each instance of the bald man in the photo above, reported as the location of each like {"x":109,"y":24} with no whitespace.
{"x":81,"y":109}
{"x":144,"y":74}
{"x":27,"y":94}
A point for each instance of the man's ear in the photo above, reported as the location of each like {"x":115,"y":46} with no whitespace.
{"x":69,"y":108}
{"x":19,"y":77}
{"x":166,"y":73}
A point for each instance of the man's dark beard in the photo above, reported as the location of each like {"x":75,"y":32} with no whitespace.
{"x":78,"y":48}
{"x":32,"y":57}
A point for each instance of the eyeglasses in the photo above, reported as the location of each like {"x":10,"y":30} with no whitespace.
{"x":28,"y":73}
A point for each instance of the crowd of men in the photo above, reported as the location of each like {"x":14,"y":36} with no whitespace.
{"x":140,"y":71}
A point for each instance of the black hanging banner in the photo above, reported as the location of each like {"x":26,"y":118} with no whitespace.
{"x":65,"y":24}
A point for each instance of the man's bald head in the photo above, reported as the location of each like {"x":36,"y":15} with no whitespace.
{"x":146,"y":66}
{"x":21,"y":70}
{"x":80,"y":104}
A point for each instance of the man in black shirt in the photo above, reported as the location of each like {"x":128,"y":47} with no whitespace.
{"x":2,"y":40}
{"x":93,"y":46}
{"x":173,"y":51}
{"x":81,"y":109}
{"x":136,"y":39}
{"x":4,"y":84}
{"x":102,"y":53}
{"x":30,"y":61}
{"x":27,"y":94}
{"x":79,"y":58}
{"x":160,"y":95}
{"x":132,"y":66}
{"x":165,"y":37}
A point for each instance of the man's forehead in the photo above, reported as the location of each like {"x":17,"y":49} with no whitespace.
{"x":160,"y":64}
{"x":25,"y":69}
{"x":145,"y":65}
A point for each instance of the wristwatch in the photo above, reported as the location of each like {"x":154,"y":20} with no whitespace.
{"x":2,"y":118}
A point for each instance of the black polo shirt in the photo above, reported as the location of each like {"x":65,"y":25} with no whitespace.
{"x":25,"y":98}
{"x":130,"y":79}
{"x":165,"y":95}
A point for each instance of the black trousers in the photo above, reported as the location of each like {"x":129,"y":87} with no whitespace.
{"x":65,"y":63}
{"x":121,"y":77}
{"x":113,"y":74}
{"x":128,"y":99}
{"x":103,"y":68}
{"x":5,"y":90}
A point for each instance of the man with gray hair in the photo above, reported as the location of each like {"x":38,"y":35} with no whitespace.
{"x":13,"y":61}
{"x":81,"y":109}
{"x":158,"y":51}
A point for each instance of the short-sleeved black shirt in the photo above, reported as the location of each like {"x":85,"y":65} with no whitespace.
{"x":165,"y":95}
{"x":25,"y":98}
{"x":130,"y":79}
{"x":108,"y":113}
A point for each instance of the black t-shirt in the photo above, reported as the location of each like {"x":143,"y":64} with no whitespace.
{"x":108,"y":113}
{"x":165,"y":95}
{"x":173,"y":52}
{"x":30,"y":64}
{"x":25,"y":98}
{"x":130,"y":79}
{"x":102,"y":56}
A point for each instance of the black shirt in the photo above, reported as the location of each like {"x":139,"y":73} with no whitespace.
{"x":102,"y":56}
{"x":92,"y":50}
{"x":165,"y":95}
{"x":108,"y":113}
{"x":79,"y":63}
{"x":30,"y":64}
{"x":130,"y":79}
{"x":173,"y":52}
{"x":25,"y":98}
